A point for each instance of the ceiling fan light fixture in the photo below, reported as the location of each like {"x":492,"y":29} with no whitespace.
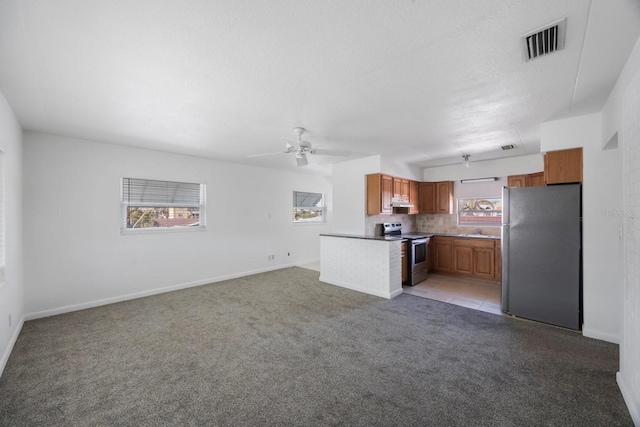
{"x":466,"y":162}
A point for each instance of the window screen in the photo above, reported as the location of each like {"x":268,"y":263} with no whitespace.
{"x":151,"y":204}
{"x":308,"y":207}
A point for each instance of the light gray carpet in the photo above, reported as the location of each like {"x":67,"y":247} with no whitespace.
{"x":281,"y":348}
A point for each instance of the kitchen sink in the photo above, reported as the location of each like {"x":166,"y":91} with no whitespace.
{"x":481,"y":236}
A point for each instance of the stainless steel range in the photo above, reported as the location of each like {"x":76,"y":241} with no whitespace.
{"x":418,"y":250}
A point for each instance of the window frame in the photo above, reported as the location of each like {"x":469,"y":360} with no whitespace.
{"x":322,"y":209}
{"x":495,"y":201}
{"x":201,"y":206}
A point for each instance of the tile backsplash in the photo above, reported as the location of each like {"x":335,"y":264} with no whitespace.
{"x":448,"y":224}
{"x":435,"y":224}
{"x":408,"y":222}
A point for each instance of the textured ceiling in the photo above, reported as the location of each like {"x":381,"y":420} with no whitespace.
{"x":422,"y":81}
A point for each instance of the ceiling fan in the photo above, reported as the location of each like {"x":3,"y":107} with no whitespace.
{"x":301,"y":148}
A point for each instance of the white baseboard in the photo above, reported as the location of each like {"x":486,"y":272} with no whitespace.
{"x":111,"y":300}
{"x":387,"y":295}
{"x":9,"y":349}
{"x":632,"y":402}
{"x":599,"y":335}
{"x":307,"y":261}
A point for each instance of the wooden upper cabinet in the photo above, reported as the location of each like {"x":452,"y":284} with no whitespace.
{"x":401,"y":188}
{"x":517,"y":181}
{"x":444,"y":197}
{"x":414,"y":197}
{"x":379,"y":194}
{"x":563,"y":166}
{"x":530,"y":180}
{"x":535,"y":179}
{"x":427,"y":197}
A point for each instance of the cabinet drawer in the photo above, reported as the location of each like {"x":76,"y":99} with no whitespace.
{"x":475,"y":243}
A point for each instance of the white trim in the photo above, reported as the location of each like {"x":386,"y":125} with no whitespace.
{"x":629,"y":399}
{"x":387,"y":295}
{"x":161,"y":230}
{"x":599,"y":335}
{"x":111,"y":300}
{"x":12,"y":342}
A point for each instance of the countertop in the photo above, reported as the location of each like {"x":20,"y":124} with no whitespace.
{"x":394,"y":238}
{"x":469,"y":236}
{"x":372,"y":237}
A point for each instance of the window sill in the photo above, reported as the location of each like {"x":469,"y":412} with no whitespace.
{"x":138,"y":231}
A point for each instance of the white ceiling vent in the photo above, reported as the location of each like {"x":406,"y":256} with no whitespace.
{"x":508,"y":147}
{"x":544,"y":41}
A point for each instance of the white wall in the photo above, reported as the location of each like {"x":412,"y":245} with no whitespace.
{"x":78,"y":258}
{"x":12,"y":293}
{"x":622,"y":116}
{"x":350,"y":194}
{"x":487,"y":168}
{"x":601,"y":193}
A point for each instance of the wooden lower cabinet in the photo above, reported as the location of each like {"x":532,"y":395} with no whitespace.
{"x":484,"y":263}
{"x":463,"y":258}
{"x":442,"y":257}
{"x":466,"y":256}
{"x":498,"y":257}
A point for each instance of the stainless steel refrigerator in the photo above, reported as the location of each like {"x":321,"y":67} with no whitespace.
{"x":542,"y":254}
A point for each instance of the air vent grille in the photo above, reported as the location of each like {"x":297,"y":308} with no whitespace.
{"x":508,"y":147}
{"x":544,"y":41}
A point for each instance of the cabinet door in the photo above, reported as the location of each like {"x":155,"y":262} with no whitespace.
{"x":379,"y":192}
{"x":463,"y":259}
{"x":563,"y":166}
{"x":414,"y":197}
{"x":535,"y":179}
{"x":484,"y":262}
{"x":444,"y":197}
{"x":404,"y":189}
{"x":443,"y":255}
{"x":386,"y":193}
{"x":427,"y":197}
{"x":498,"y":271}
{"x":517,"y":181}
{"x":397,"y":188}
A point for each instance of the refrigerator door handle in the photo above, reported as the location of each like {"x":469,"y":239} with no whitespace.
{"x":504,"y":253}
{"x":505,"y":205}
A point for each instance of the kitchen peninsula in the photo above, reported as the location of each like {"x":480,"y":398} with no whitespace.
{"x":369,"y":264}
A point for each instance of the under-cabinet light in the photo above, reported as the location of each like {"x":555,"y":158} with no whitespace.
{"x":471,"y":181}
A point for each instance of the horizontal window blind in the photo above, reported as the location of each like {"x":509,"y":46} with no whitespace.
{"x":302,"y":199}
{"x":160,"y":193}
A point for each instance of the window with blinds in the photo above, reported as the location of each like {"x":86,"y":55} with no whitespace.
{"x":308,"y":207}
{"x":149,"y":204}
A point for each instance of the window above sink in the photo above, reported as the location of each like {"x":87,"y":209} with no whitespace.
{"x":485,"y":212}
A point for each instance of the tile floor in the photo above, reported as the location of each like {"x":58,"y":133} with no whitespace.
{"x":470,"y":293}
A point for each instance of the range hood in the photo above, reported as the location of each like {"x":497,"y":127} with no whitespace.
{"x":400,"y":203}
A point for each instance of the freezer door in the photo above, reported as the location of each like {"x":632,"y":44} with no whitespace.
{"x":544,"y":254}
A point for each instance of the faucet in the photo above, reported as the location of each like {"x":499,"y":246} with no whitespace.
{"x":477,"y":230}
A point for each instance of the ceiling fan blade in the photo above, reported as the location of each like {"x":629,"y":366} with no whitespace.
{"x":264,"y":154}
{"x":325,"y":152}
{"x":302,"y":160}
